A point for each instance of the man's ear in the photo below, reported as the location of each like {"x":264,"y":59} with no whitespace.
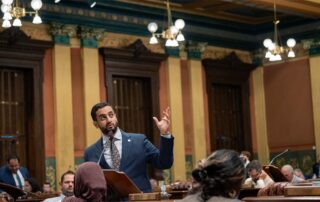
{"x":95,"y":124}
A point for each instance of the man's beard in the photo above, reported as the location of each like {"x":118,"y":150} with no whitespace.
{"x":67,"y":193}
{"x":110,"y":132}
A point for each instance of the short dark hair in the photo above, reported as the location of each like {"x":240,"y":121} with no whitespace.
{"x":255,"y":164}
{"x":222,"y":174}
{"x":34,"y":184}
{"x":12,"y":156}
{"x":69,"y":172}
{"x":98,"y":106}
{"x":247,"y":154}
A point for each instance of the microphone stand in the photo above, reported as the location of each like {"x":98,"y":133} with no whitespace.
{"x":285,"y":151}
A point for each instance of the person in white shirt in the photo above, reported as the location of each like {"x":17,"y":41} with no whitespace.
{"x":258,"y":178}
{"x":67,"y":187}
{"x":287,"y":171}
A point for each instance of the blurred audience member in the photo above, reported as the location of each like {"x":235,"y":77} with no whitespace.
{"x":287,"y":171}
{"x":219,"y":178}
{"x":31,"y":185}
{"x":13,"y":173}
{"x":90,"y":184}
{"x":298,"y":172}
{"x":67,"y":186}
{"x":246,"y":157}
{"x":316,"y":168}
{"x":257,"y":177}
{"x":46,"y":187}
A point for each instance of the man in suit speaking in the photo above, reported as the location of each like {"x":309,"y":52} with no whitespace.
{"x":129,"y":152}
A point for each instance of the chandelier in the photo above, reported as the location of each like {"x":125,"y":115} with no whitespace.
{"x":13,"y":10}
{"x":172,"y":34}
{"x":275,"y":48}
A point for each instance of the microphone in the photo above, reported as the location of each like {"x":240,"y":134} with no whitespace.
{"x":104,"y":149}
{"x":285,"y":151}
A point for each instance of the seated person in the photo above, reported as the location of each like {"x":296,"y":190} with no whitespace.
{"x":219,"y":178}
{"x":12,"y":173}
{"x":67,"y":185}
{"x":46,"y":187}
{"x":287,"y":171}
{"x":257,"y":177}
{"x":298,"y":172}
{"x":31,"y":185}
{"x":89,"y":184}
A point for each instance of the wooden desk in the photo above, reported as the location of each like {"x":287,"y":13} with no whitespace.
{"x":282,"y":198}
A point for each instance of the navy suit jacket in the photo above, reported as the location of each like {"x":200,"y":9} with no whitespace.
{"x":7,"y":177}
{"x":137,"y":152}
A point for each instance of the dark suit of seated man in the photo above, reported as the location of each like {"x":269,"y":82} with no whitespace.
{"x":129,"y":152}
{"x":13,"y":173}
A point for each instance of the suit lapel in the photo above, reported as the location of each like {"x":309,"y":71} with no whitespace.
{"x":126,"y":142}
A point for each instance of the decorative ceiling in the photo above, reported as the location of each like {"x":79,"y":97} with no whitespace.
{"x":241,"y":24}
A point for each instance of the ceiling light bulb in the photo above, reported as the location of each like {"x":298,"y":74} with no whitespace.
{"x":180,"y":37}
{"x":291,"y":42}
{"x":57,"y":1}
{"x":7,"y":16}
{"x":174,"y":30}
{"x":37,"y":19}
{"x":17,"y":22}
{"x":153,"y":40}
{"x":271,"y":46}
{"x":152,"y":27}
{"x":6,"y":24}
{"x":92,"y":3}
{"x":268,"y":54}
{"x":291,"y":54}
{"x":267,"y":42}
{"x":179,"y":23}
{"x":5,"y":8}
{"x":36,"y":4}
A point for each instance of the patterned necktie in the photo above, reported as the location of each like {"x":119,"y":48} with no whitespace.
{"x":115,"y":156}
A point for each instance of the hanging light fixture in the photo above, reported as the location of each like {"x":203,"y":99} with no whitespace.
{"x":275,"y":48}
{"x":172,"y":34}
{"x":14,"y":10}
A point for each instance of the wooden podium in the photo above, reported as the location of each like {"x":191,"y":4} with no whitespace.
{"x":13,"y":191}
{"x":274,"y":173}
{"x":120,"y":184}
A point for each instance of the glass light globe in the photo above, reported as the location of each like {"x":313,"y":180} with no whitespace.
{"x":291,"y":42}
{"x":267,"y":42}
{"x":7,"y":2}
{"x":291,"y":54}
{"x":175,"y":43}
{"x":57,"y":1}
{"x":153,"y":40}
{"x":6,"y":24}
{"x":5,"y":8}
{"x":174,"y":30}
{"x":37,"y":20}
{"x":36,"y":4}
{"x":179,"y":23}
{"x":268,"y":54}
{"x":271,"y":47}
{"x":180,"y":37}
{"x":17,"y":22}
{"x":7,"y":16}
{"x":152,"y":27}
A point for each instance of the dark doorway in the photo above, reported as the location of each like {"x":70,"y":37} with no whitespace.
{"x":228,"y":103}
{"x":21,"y":123}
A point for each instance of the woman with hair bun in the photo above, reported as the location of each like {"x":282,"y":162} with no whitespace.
{"x":218,"y":178}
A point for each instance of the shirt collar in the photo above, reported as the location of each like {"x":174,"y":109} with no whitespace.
{"x":117,"y":136}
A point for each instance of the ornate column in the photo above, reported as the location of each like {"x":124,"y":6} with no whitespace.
{"x":64,"y":143}
{"x":91,"y":89}
{"x":260,"y":115}
{"x":197,"y":103}
{"x":176,"y":103}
